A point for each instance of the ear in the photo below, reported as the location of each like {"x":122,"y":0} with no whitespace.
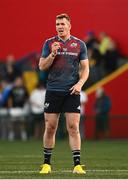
{"x":70,"y":26}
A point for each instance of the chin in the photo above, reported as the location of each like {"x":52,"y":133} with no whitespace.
{"x":61,"y":36}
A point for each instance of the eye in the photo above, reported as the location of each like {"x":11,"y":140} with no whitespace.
{"x":62,"y":24}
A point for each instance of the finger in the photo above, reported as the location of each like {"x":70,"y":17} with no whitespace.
{"x":58,"y":47}
{"x":71,"y":88}
{"x":77,"y":93}
{"x":72,"y":92}
{"x":56,"y":44}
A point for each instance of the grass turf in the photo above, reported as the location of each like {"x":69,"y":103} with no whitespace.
{"x":103,"y":159}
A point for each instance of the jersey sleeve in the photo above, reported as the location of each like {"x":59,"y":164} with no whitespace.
{"x":45,"y":50}
{"x":83,"y":52}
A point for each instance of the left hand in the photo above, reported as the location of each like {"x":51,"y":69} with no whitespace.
{"x":75,"y":89}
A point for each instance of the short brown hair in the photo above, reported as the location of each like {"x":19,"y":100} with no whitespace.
{"x":61,"y":16}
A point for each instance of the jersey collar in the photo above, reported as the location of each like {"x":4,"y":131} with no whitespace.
{"x":60,"y":39}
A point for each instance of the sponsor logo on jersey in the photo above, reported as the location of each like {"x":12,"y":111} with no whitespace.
{"x":67,"y":53}
{"x":64,"y":49}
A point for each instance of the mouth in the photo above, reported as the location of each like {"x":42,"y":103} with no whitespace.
{"x":61,"y":31}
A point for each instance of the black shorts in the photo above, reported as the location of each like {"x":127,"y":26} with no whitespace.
{"x":61,"y":102}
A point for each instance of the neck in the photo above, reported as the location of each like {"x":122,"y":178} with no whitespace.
{"x":64,"y":38}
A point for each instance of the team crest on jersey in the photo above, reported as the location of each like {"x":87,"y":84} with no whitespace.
{"x":73,"y":44}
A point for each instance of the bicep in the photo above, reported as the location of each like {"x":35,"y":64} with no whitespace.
{"x":84,"y":63}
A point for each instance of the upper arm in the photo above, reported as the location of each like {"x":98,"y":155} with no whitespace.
{"x":45,"y":50}
{"x":44,"y":54}
{"x":83,"y":52}
{"x":84,"y":63}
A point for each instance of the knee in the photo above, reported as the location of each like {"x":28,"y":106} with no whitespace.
{"x":73,"y":130}
{"x":50,"y":129}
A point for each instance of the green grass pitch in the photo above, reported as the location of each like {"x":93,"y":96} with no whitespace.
{"x":103,"y":159}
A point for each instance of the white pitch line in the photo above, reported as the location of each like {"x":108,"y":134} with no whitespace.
{"x":108,"y":170}
{"x":63,"y":171}
{"x":19,"y":156}
{"x":21,"y":162}
{"x":20,"y":171}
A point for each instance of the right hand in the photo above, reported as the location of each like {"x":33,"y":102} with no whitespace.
{"x":55,"y":46}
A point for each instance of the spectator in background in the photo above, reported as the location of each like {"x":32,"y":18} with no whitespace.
{"x":90,"y":39}
{"x":102,"y":108}
{"x":109,"y":52}
{"x":95,"y":61}
{"x":5,"y":91}
{"x":18,"y":97}
{"x":10,"y":70}
{"x":111,"y":58}
{"x":105,"y":42}
{"x":83,"y":101}
{"x":37,"y":98}
{"x":4,"y":95}
{"x":95,"y":58}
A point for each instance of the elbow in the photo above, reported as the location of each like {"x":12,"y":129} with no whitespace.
{"x":41,"y":67}
{"x":88,"y":71}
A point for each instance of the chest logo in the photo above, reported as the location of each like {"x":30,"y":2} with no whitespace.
{"x":73,"y":45}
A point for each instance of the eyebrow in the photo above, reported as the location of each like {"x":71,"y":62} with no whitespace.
{"x":60,"y":23}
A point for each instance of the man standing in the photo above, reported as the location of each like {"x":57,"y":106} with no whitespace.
{"x":61,"y":55}
{"x":102,"y":107}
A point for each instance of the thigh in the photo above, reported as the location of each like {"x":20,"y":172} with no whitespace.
{"x":51,"y":119}
{"x":71,"y":104}
{"x":53,"y":102}
{"x":72,"y":119}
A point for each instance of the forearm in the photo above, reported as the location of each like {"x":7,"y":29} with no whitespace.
{"x":45,"y":63}
{"x":83,"y":75}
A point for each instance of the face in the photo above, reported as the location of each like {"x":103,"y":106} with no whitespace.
{"x":63,"y":27}
{"x":18,"y":82}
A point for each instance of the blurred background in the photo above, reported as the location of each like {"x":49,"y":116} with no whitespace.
{"x":25,"y":25}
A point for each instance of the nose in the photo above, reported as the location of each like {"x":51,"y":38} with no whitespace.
{"x":60,"y":26}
